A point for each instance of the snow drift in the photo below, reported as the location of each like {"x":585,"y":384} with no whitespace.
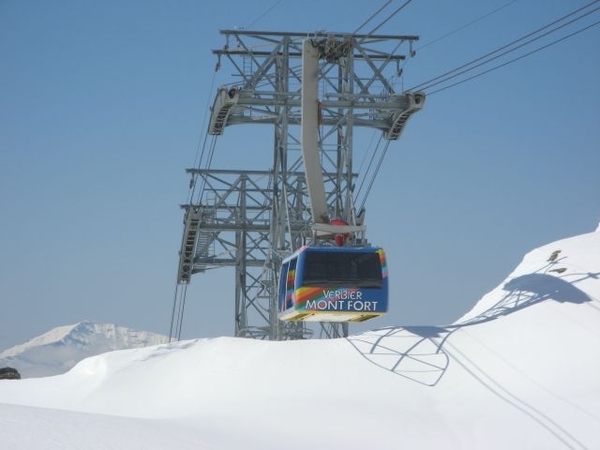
{"x":519,"y":370}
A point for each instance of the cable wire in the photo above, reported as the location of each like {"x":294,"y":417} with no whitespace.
{"x":474,"y":21}
{"x":511,"y":50}
{"x":488,"y":56}
{"x":264,"y":14}
{"x":372,"y":16}
{"x":372,"y":181}
{"x":396,"y":11}
{"x":518,"y":58}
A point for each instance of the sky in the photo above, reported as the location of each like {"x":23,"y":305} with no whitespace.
{"x":518,"y":371}
{"x":104,"y":106}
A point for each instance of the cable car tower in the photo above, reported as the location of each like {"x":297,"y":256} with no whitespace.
{"x":251,"y":219}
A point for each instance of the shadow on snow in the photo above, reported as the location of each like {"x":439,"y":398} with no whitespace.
{"x":417,"y":352}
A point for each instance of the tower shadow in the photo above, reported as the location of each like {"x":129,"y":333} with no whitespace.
{"x":417,"y":352}
{"x":411,"y":352}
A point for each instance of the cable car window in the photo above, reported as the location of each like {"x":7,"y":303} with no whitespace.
{"x":283,"y":280}
{"x":291,"y":276}
{"x":328,"y":268}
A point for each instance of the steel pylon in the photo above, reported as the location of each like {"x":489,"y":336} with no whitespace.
{"x":251,"y":219}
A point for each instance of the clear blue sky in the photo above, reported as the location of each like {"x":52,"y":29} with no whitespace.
{"x":101,"y":110}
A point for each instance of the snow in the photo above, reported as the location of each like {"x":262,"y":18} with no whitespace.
{"x":520,"y":370}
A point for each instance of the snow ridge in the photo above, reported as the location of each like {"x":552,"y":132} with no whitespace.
{"x":563,"y":271}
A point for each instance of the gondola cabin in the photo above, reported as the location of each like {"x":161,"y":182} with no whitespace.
{"x":333,"y":284}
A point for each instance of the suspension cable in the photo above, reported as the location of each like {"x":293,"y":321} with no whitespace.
{"x":517,"y":58}
{"x":173,"y":313}
{"x":396,"y":11}
{"x":462,"y":27}
{"x":180,"y":294}
{"x":372,"y":180}
{"x":273,"y":6}
{"x":372,"y":16}
{"x":488,"y":56}
{"x":207,"y":165}
{"x":177,"y":312}
{"x":369,"y":166}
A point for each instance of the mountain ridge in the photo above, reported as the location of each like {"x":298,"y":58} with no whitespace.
{"x":60,"y":349}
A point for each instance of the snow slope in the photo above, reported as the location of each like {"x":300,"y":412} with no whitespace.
{"x":521,"y":370}
{"x":58,"y":350}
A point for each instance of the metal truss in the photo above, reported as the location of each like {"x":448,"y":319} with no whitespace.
{"x":251,"y":220}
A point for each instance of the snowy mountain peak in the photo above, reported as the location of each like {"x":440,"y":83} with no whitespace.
{"x":59,"y":349}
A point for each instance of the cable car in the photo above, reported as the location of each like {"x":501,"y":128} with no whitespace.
{"x":333,"y":284}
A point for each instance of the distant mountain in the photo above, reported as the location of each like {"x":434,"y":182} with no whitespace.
{"x":58,"y":350}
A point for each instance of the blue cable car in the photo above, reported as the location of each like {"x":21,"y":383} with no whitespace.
{"x":333,"y":284}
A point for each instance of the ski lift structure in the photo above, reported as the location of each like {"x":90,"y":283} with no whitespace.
{"x":292,"y":232}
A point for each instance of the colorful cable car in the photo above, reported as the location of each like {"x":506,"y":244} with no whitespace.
{"x":333,"y":284}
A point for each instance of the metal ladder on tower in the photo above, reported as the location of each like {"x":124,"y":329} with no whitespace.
{"x":188,"y":245}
